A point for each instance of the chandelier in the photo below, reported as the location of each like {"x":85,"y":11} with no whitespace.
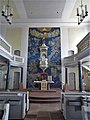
{"x":81,"y":12}
{"x":7,"y":12}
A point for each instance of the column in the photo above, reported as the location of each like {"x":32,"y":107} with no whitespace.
{"x":21,"y":74}
{"x":80,"y":76}
{"x":66,"y":75}
{"x":21,"y":82}
{"x":24,"y":51}
{"x":8,"y":75}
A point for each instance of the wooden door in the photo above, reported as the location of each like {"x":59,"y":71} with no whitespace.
{"x":16,"y":80}
{"x":72,"y":83}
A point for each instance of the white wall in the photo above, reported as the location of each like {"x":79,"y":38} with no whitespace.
{"x":64,"y":50}
{"x":3,"y":31}
{"x":24,"y":52}
{"x":70,"y":36}
{"x":75,"y":36}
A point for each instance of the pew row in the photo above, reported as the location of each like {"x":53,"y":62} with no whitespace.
{"x":19,"y":103}
{"x":72,"y":103}
{"x":4,"y":111}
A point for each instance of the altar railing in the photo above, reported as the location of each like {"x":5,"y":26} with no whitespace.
{"x":83,"y":51}
{"x":6,"y":51}
{"x":84,"y":43}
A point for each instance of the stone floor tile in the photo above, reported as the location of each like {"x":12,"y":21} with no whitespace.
{"x":31,"y":116}
{"x":43,"y":118}
{"x":30,"y":119}
{"x":43,"y":114}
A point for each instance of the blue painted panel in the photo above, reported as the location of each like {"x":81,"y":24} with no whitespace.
{"x":53,"y":41}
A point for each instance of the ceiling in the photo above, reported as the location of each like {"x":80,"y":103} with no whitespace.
{"x":60,"y":12}
{"x":45,"y":11}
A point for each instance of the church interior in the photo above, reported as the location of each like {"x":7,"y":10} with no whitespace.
{"x":45,"y":59}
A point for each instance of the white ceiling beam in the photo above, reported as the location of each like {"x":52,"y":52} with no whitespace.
{"x":57,"y":20}
{"x":48,"y":24}
{"x":20,"y":8}
{"x":68,"y":8}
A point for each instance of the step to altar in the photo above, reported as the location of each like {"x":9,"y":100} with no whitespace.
{"x":45,"y":96}
{"x":36,"y":90}
{"x":53,"y":100}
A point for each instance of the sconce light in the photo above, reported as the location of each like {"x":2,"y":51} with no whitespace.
{"x":7,"y":12}
{"x":81,"y":12}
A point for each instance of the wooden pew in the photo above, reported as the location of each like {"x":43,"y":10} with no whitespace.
{"x":17,"y":101}
{"x":4,"y":111}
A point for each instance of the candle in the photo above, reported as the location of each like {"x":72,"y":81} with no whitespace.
{"x":83,"y":13}
{"x":86,"y":12}
{"x":4,"y":8}
{"x":11,"y":11}
{"x":78,"y":21}
{"x":85,"y":8}
{"x":50,"y":78}
{"x":77,"y":12}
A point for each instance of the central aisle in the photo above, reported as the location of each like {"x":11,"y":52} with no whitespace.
{"x":49,"y":111}
{"x":45,"y":110}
